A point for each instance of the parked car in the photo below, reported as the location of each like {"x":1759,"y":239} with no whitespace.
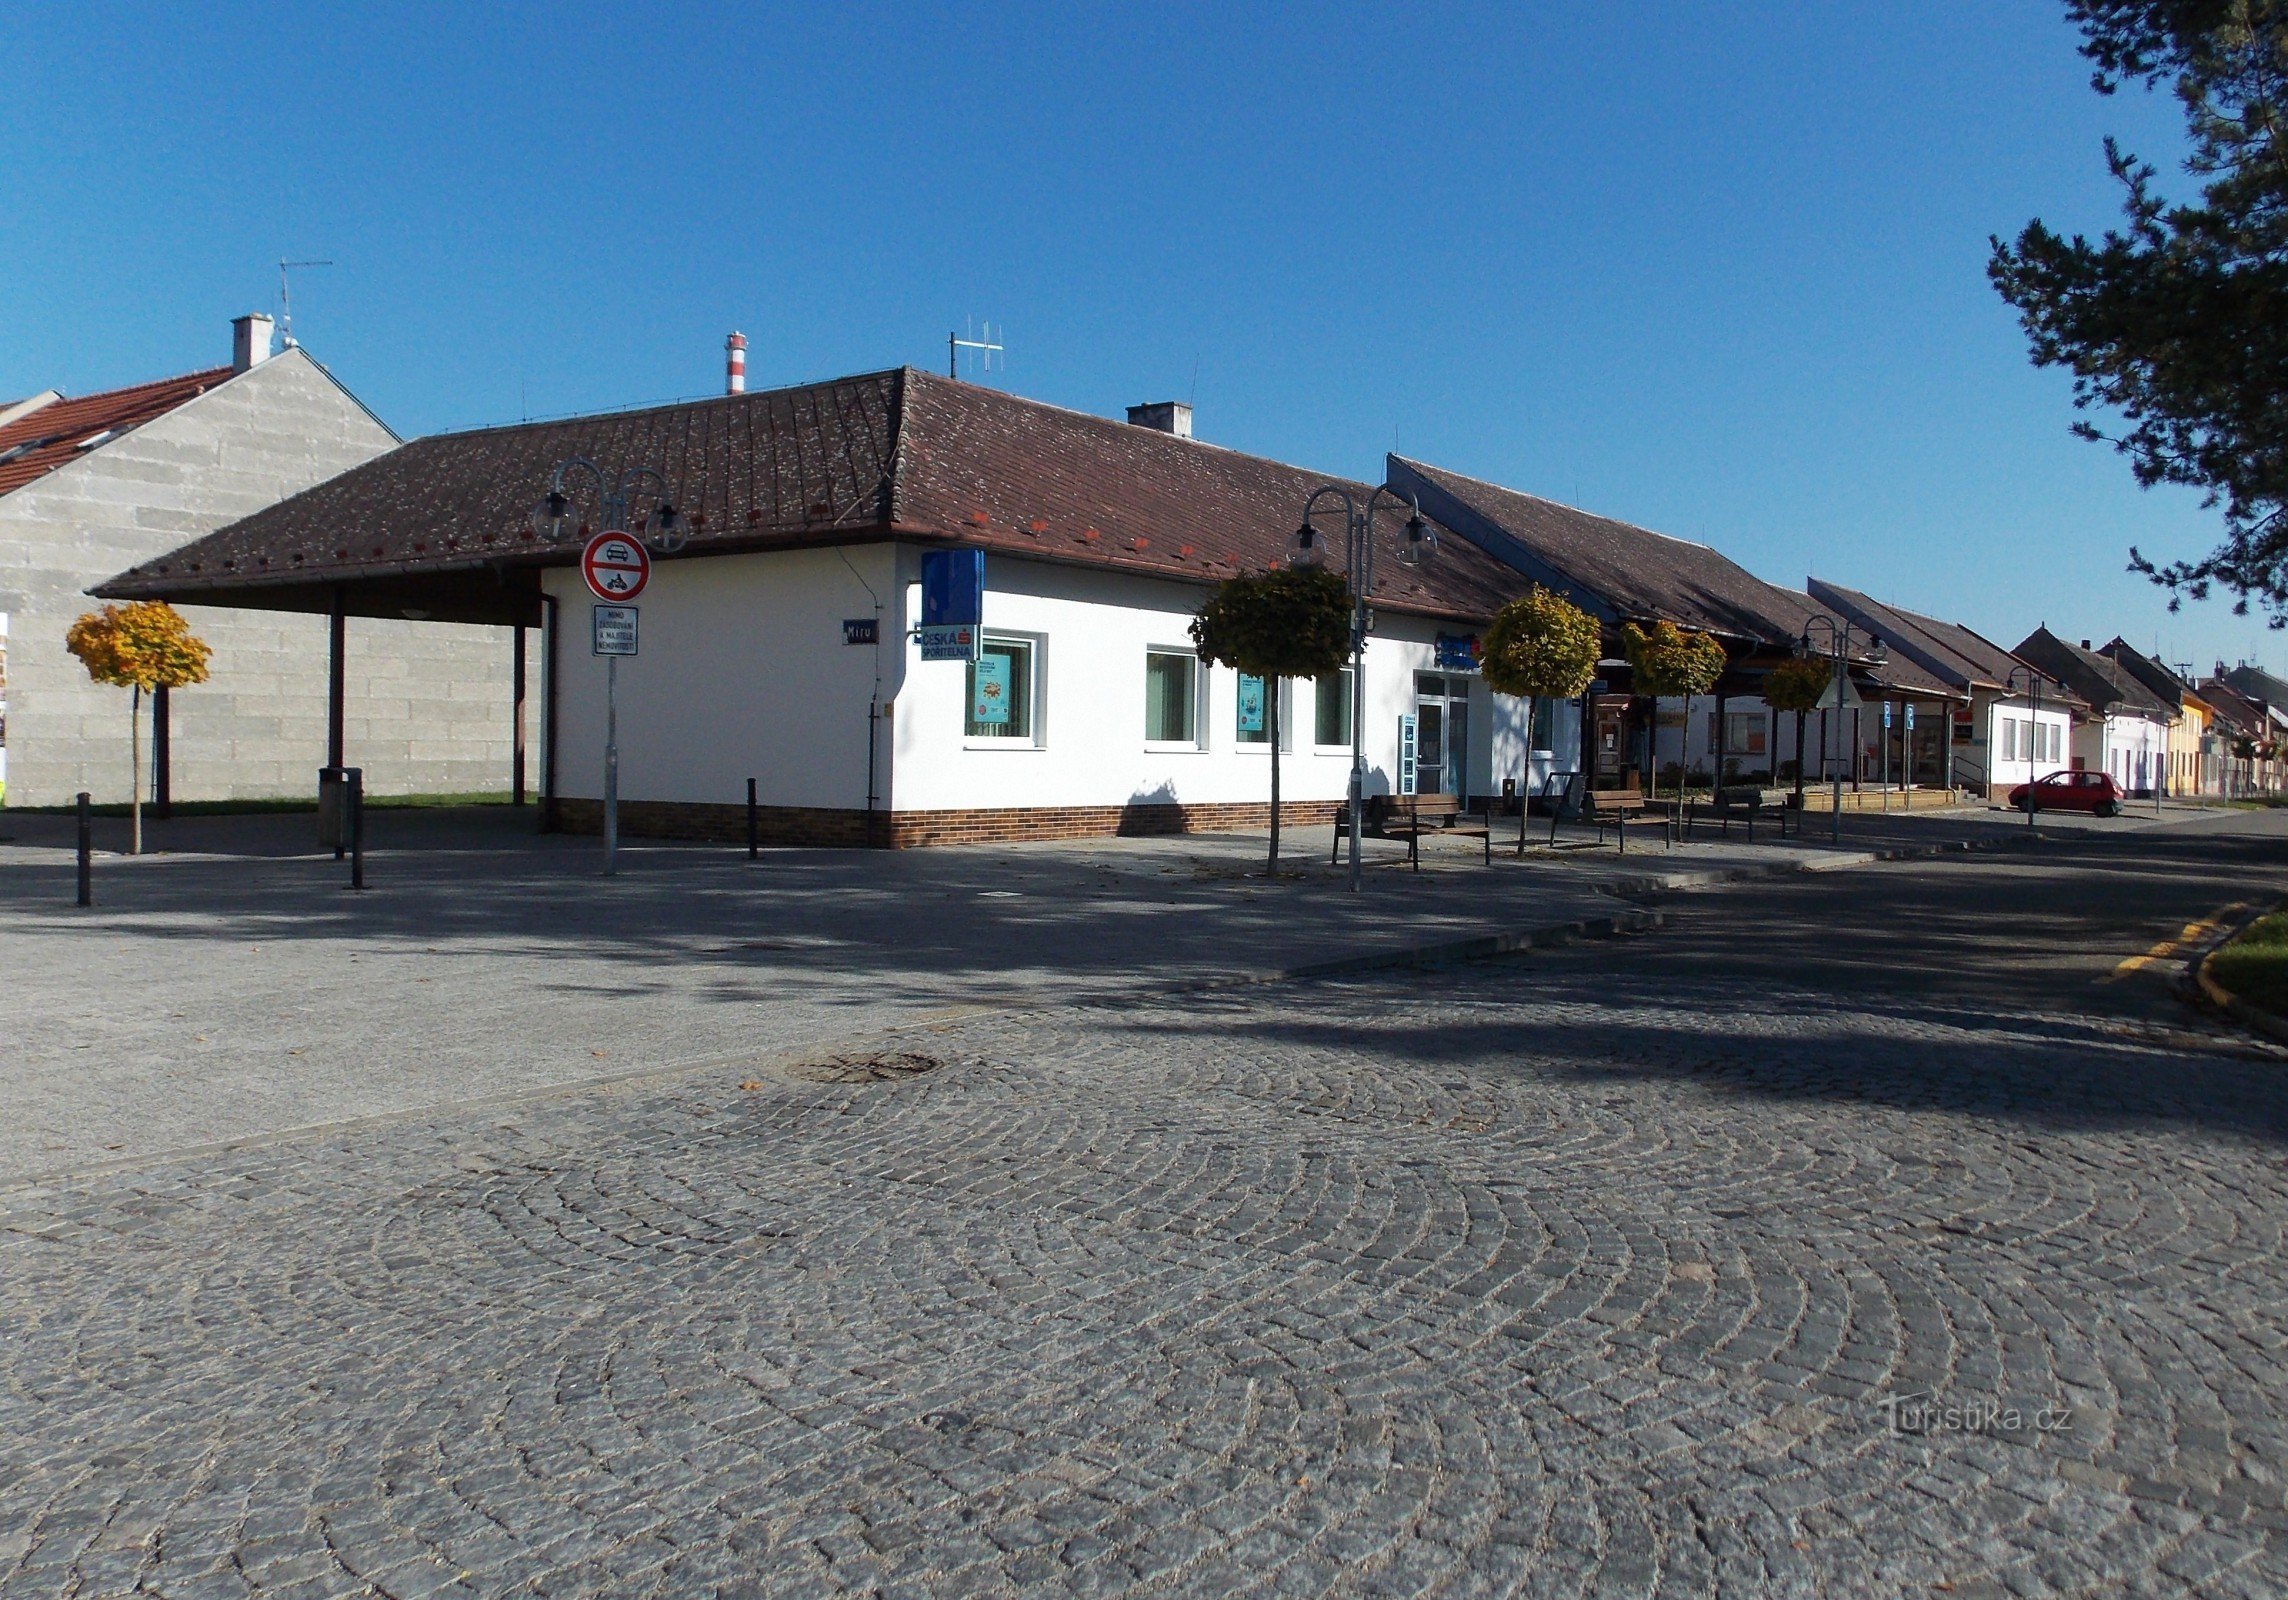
{"x":2071,"y":791}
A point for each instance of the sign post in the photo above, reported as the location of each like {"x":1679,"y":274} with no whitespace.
{"x":616,"y":568}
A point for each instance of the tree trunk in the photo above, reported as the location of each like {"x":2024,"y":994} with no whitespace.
{"x":1271,"y":721}
{"x":135,"y":764}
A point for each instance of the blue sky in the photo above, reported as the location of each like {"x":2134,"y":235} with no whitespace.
{"x":1714,"y":269}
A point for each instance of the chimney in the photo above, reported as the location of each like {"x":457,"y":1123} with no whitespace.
{"x":735,"y":364}
{"x":249,"y":341}
{"x":1168,"y":416}
{"x":2085,"y":644}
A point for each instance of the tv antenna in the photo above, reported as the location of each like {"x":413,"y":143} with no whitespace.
{"x":286,"y":301}
{"x":986,"y":346}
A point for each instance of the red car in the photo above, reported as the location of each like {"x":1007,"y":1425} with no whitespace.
{"x":2070,"y":791}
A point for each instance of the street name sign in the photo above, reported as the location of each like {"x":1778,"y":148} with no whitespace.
{"x":616,"y":566}
{"x":615,"y":630}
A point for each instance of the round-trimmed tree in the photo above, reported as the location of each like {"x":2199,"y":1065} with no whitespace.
{"x":143,"y":645}
{"x":1669,"y":661}
{"x":1796,"y":685}
{"x":1292,"y":622}
{"x":1539,"y":646}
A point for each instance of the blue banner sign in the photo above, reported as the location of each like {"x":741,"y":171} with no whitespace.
{"x":953,"y":588}
{"x":989,"y":691}
{"x":1250,"y":704}
{"x":1458,"y":652}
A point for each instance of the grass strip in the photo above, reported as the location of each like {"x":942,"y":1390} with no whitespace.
{"x":2254,"y":965}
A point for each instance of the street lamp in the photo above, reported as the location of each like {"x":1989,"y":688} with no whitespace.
{"x":663,"y":530}
{"x":1418,"y":544}
{"x":2033,"y":691}
{"x":1838,"y":649}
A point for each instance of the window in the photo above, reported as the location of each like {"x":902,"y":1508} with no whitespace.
{"x":1001,"y":690}
{"x":1171,"y":697}
{"x":1744,"y":736}
{"x":1544,"y":734}
{"x":1332,"y":703}
{"x":2009,"y":739}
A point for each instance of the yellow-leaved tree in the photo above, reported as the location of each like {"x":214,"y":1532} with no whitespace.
{"x":1540,"y":646}
{"x":143,"y":645}
{"x":1670,"y":662}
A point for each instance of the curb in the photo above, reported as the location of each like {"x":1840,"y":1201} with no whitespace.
{"x":2201,"y":983}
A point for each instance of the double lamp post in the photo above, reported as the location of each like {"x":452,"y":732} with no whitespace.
{"x":1825,"y":636}
{"x":1418,"y":543}
{"x":663,"y":531}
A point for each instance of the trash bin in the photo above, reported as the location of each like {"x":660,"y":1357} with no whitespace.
{"x":333,"y":810}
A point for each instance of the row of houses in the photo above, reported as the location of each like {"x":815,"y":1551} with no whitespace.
{"x":396,"y":605}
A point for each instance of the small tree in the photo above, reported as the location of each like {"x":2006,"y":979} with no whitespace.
{"x":1539,"y":645}
{"x":140,"y":646}
{"x":1796,"y":685}
{"x":1294,"y":622}
{"x":1668,"y":660}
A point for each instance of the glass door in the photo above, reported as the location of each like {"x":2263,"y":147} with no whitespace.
{"x":1442,"y":713}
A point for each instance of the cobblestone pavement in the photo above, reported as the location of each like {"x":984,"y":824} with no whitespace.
{"x":1558,"y":1276}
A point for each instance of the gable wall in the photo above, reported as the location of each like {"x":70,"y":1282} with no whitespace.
{"x":428,"y":704}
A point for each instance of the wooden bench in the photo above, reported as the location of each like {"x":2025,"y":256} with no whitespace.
{"x":1620,"y":810}
{"x":1740,"y":800}
{"x":1413,"y":817}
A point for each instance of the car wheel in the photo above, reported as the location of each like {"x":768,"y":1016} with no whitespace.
{"x":2111,"y":808}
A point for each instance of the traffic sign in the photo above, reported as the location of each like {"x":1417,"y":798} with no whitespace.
{"x":616,"y":566}
{"x":615,"y":628}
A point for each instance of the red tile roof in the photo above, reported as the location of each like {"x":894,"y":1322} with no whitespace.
{"x":49,"y":436}
{"x":901,"y":454}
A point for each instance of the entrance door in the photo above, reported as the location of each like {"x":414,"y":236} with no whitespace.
{"x":1442,"y":713}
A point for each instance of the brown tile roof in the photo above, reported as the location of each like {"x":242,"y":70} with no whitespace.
{"x":888,"y":454}
{"x":49,"y":436}
{"x":1959,"y":656}
{"x":2103,"y":682}
{"x":1626,"y":571}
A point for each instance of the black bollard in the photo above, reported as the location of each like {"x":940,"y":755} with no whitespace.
{"x":754,"y":836}
{"x":86,"y":853}
{"x":354,"y":798}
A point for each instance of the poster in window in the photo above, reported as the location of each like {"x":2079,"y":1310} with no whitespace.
{"x":990,"y":698}
{"x":1250,"y":704}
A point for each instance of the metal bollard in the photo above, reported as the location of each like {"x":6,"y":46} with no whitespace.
{"x":86,"y":853}
{"x":754,"y":834}
{"x":355,"y":799}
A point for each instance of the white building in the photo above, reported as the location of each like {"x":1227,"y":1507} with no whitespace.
{"x":2016,"y":719}
{"x":774,"y":644}
{"x":2125,"y":730}
{"x":92,"y":484}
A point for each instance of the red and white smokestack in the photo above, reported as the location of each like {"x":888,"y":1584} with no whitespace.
{"x":735,"y":364}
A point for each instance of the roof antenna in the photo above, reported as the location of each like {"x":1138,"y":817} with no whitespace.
{"x":986,"y":346}
{"x":286,"y":301}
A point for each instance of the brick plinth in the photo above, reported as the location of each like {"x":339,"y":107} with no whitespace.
{"x":904,"y":830}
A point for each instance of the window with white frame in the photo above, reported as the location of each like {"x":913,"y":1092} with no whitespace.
{"x":1331,"y":709}
{"x":2009,"y":751}
{"x":1004,"y":687}
{"x":1171,"y":697}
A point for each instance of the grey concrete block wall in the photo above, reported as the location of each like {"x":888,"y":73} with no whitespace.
{"x":428,"y":704}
